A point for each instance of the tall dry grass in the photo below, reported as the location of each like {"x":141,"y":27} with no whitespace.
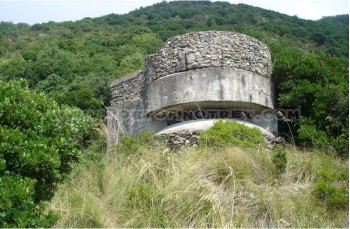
{"x":204,"y":187}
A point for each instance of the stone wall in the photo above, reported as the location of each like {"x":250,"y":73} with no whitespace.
{"x":127,"y":88}
{"x":209,"y":49}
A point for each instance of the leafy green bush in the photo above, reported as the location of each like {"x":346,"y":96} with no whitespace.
{"x":17,"y":208}
{"x":38,"y":142}
{"x":318,"y":85}
{"x":331,"y":195}
{"x":309,"y":135}
{"x":132,"y":143}
{"x":279,"y":159}
{"x":332,"y":189}
{"x":224,"y":133}
{"x":128,"y":144}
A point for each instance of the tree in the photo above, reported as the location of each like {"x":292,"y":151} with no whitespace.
{"x":38,"y":142}
{"x":318,"y":86}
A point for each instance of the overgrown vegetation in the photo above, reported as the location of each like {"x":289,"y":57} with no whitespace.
{"x":133,"y":143}
{"x":204,"y":187}
{"x":279,"y":158}
{"x":38,"y":142}
{"x":318,"y":86}
{"x":225,"y":133}
{"x":332,"y":188}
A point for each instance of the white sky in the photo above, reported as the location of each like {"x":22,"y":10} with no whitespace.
{"x":38,"y":11}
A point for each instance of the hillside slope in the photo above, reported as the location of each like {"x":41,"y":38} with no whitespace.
{"x":169,"y":19}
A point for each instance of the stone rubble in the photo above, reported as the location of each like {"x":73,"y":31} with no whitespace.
{"x":184,"y":138}
{"x":191,"y":139}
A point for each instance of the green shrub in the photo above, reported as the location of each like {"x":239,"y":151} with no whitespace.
{"x":279,"y":159}
{"x":224,"y":133}
{"x":318,"y":85}
{"x":331,"y":195}
{"x":38,"y":142}
{"x":127,"y":144}
{"x":132,"y":143}
{"x":309,"y":135}
{"x":17,"y":207}
{"x":332,"y":189}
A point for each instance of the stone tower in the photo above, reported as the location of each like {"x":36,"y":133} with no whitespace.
{"x":196,"y":76}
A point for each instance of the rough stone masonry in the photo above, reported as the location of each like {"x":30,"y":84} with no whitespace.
{"x":199,"y":72}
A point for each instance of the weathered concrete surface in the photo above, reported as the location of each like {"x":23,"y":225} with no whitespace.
{"x":267,"y":120}
{"x":124,"y":119}
{"x":234,"y":88}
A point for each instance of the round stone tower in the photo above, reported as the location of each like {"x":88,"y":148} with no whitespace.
{"x":199,"y":75}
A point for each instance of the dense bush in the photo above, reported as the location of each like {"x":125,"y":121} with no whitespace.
{"x":279,"y":159}
{"x":133,"y":143}
{"x":224,"y":133}
{"x":17,"y":208}
{"x":317,"y":85}
{"x":38,"y":142}
{"x":332,"y":189}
